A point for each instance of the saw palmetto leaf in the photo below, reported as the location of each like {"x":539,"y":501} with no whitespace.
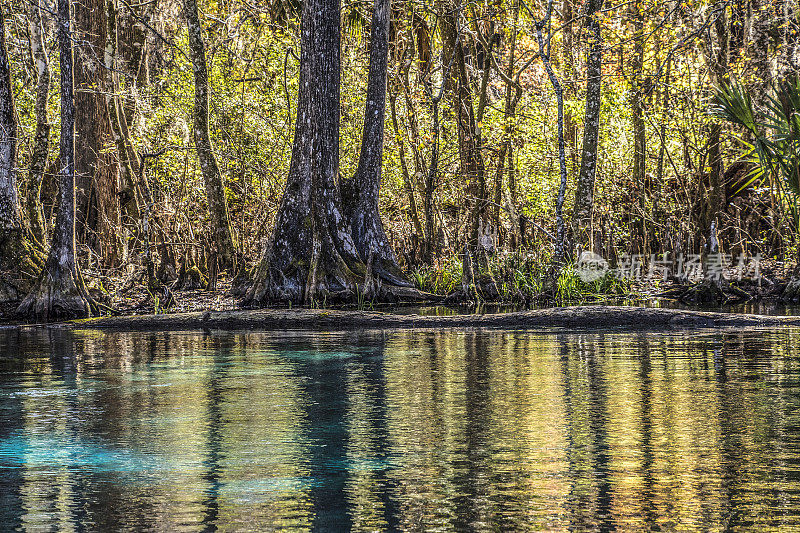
{"x":775,"y":149}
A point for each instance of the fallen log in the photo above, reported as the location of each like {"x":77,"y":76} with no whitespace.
{"x":573,"y":318}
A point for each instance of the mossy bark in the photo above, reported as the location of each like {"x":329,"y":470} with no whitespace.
{"x":215,"y":189}
{"x":360,"y":193}
{"x":18,"y":259}
{"x":60,"y":292}
{"x":311,"y":256}
{"x":584,"y":186}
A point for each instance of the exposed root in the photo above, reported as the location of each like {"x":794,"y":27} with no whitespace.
{"x":791,"y":293}
{"x":160,"y":294}
{"x":191,"y":279}
{"x":329,"y":281}
{"x":477,"y":283}
{"x":20,"y":264}
{"x":483,"y":289}
{"x":375,"y":289}
{"x":241,"y":282}
{"x":711,"y":292}
{"x":57,"y":297}
{"x":393,"y":293}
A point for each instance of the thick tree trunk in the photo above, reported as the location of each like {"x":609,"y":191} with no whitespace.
{"x":41,"y":139}
{"x":60,"y":292}
{"x":95,"y":166}
{"x":311,"y":257}
{"x":215,"y":190}
{"x":133,"y":47}
{"x":360,"y":194}
{"x":584,"y":188}
{"x":128,"y":157}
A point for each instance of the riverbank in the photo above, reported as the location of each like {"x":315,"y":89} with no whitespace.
{"x":578,"y":317}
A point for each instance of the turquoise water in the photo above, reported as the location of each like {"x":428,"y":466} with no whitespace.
{"x":416,"y":431}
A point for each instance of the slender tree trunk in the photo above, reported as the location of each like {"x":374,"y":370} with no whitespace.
{"x":717,"y":53}
{"x":716,"y":189}
{"x":408,"y":184}
{"x":10,"y":222}
{"x":17,"y":267}
{"x":41,"y":138}
{"x":60,"y":292}
{"x":471,"y":167}
{"x":637,"y":119}
{"x":484,"y":62}
{"x":431,"y":183}
{"x":544,"y":55}
{"x":425,"y":175}
{"x":568,"y":77}
{"x":422,"y":36}
{"x":360,"y":194}
{"x":584,"y":188}
{"x":215,"y":190}
{"x":665,"y":97}
{"x":508,"y":192}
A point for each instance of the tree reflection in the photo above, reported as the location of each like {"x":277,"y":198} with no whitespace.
{"x":13,"y":445}
{"x":398,"y":431}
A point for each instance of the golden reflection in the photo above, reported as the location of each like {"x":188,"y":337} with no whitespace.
{"x":433,"y":431}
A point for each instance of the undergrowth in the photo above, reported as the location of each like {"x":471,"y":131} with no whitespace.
{"x":521,"y":277}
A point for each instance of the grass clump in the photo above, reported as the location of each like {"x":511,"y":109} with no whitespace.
{"x":521,"y":277}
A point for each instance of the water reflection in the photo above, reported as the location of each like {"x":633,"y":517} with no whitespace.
{"x":426,"y":431}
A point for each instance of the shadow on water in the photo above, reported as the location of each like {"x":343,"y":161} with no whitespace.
{"x":399,"y":430}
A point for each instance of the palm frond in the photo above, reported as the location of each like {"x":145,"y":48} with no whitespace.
{"x":732,"y":103}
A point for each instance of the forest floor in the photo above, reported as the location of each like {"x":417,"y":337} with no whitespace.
{"x":132,"y":300}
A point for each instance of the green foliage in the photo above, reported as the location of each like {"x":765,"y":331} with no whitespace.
{"x":571,"y":288}
{"x":439,"y":280}
{"x":520,"y":277}
{"x":775,"y":149}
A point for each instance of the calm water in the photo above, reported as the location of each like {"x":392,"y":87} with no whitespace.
{"x":399,"y":431}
